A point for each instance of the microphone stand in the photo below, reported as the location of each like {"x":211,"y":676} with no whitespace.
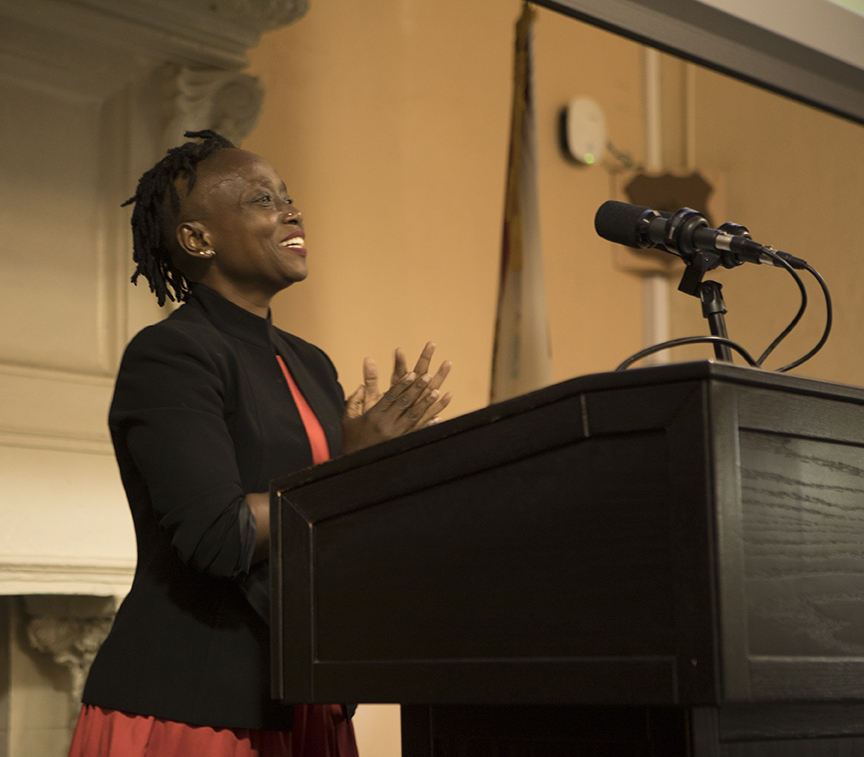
{"x":710,"y":294}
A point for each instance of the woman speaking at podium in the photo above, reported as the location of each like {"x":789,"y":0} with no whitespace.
{"x":210,"y":405}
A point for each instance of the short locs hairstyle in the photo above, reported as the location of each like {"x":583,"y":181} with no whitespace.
{"x":151,"y":256}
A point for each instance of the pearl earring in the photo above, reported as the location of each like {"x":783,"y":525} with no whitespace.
{"x":208,"y":253}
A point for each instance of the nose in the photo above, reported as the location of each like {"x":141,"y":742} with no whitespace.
{"x":291,"y":214}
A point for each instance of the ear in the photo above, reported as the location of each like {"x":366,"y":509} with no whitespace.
{"x":194,"y":239}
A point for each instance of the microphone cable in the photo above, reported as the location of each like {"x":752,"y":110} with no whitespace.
{"x":751,"y":361}
{"x":688,"y":340}
{"x":829,"y":321}
{"x":798,"y":315}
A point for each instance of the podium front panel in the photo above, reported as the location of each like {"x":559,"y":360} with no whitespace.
{"x":680,"y":535}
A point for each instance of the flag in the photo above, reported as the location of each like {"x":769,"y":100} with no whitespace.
{"x":521,"y":360}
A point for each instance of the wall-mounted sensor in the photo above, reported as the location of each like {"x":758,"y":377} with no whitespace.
{"x":585,"y":130}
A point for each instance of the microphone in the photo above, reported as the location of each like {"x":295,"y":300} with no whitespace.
{"x":685,"y":233}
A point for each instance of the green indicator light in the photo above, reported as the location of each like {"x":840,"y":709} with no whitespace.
{"x":589,"y":157}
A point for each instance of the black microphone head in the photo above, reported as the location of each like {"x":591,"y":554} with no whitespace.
{"x":621,"y":223}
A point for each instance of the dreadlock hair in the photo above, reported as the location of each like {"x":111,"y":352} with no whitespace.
{"x":152,"y":257}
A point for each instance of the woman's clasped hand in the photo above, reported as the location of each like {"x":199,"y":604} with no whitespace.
{"x":413,"y":401}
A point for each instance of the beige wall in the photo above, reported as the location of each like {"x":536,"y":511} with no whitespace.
{"x":795,"y":177}
{"x":389,"y":123}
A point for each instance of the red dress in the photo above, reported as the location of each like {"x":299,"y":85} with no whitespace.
{"x":320,"y":730}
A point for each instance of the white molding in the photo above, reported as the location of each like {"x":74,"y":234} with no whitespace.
{"x":54,"y":410}
{"x":52,"y":374}
{"x":20,"y":574}
{"x":213,"y":33}
{"x":59,"y":64}
{"x":58,"y":442}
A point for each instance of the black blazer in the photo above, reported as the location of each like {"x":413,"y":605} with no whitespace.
{"x":201,"y":416}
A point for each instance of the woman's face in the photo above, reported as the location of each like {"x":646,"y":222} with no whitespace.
{"x":240,"y":209}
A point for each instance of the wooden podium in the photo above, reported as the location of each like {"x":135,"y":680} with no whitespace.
{"x":667,"y":561}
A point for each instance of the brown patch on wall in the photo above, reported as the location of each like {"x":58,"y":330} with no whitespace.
{"x":703,"y":191}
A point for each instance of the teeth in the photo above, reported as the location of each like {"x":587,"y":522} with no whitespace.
{"x":294,"y":242}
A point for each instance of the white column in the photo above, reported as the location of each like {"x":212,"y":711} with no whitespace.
{"x":655,"y":286}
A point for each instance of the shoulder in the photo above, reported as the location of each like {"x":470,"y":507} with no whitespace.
{"x":169,"y":362}
{"x":185,"y":331}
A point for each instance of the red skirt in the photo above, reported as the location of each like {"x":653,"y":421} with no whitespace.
{"x":320,"y":730}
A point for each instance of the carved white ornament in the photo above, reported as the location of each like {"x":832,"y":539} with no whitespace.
{"x":267,"y":14}
{"x":72,"y":641}
{"x":225,"y":101}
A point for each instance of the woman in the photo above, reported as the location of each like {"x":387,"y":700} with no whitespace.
{"x":210,"y":405}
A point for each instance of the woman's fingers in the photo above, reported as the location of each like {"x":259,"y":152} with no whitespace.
{"x":412,"y":393}
{"x":431,"y":414}
{"x":399,"y":367}
{"x":412,"y":402}
{"x":438,"y":408}
{"x":415,"y":405}
{"x":402,"y":396}
{"x":354,"y":407}
{"x":370,"y":383}
{"x":425,"y":359}
{"x":440,"y":375}
{"x":370,"y":375}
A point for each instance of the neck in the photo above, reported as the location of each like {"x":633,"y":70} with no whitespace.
{"x":256,"y":303}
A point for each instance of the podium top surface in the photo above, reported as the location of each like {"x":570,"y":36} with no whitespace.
{"x":664,"y":375}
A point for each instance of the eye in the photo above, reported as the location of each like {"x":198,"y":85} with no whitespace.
{"x":265,"y":198}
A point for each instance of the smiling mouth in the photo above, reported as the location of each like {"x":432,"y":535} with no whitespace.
{"x":294,"y":243}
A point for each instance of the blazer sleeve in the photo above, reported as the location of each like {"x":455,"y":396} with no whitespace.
{"x":168,"y":425}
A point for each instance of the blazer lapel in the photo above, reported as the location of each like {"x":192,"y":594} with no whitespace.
{"x":321,"y":402}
